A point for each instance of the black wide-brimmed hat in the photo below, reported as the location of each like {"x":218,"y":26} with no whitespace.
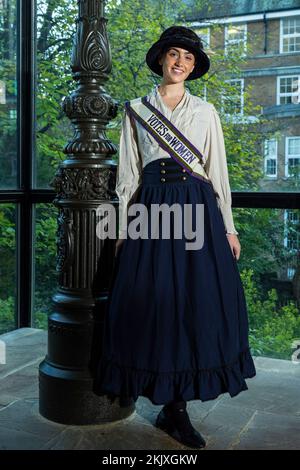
{"x":182,"y":37}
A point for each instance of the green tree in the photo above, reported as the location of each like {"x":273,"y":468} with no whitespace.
{"x":133,"y":25}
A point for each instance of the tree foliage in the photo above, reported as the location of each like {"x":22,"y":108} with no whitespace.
{"x":133,"y":25}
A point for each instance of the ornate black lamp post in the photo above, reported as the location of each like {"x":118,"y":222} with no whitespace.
{"x":84,"y":180}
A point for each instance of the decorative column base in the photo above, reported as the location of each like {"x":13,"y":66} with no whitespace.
{"x":66,"y":374}
{"x":67,"y":398}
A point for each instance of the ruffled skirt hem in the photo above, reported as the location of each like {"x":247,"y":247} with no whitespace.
{"x":127,"y":383}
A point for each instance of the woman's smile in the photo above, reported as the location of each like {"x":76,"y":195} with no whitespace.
{"x":177,"y":70}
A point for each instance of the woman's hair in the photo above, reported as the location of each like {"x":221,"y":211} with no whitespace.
{"x":162,"y":52}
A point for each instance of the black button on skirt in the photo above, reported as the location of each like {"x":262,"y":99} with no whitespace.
{"x":176,"y":325}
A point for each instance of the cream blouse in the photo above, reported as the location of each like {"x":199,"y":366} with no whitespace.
{"x":199,"y":121}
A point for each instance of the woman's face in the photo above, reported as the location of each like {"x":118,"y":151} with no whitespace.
{"x":177,"y":64}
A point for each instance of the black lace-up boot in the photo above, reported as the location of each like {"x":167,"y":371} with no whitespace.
{"x":173,"y":418}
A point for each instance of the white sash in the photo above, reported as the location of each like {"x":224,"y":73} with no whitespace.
{"x":168,"y":136}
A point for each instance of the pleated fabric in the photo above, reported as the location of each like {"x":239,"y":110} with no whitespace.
{"x":176,"y":325}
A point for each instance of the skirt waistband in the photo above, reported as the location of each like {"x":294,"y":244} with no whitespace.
{"x":167,"y":170}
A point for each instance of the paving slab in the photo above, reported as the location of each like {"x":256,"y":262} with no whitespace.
{"x":266,"y":416}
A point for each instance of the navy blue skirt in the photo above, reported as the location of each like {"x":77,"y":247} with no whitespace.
{"x":176,"y":325}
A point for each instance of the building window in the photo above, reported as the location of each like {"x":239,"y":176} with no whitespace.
{"x":291,"y":226}
{"x":236,"y":39}
{"x":288,"y":89}
{"x":292,"y":153}
{"x":233,"y":101}
{"x":204,"y":34}
{"x":291,"y":239}
{"x":270,"y":157}
{"x":290,"y":34}
{"x":290,"y":272}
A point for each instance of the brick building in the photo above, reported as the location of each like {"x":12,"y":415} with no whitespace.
{"x":268,"y":35}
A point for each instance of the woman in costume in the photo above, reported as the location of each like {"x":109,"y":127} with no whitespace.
{"x":176,"y":327}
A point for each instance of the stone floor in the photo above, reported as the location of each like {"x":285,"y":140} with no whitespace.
{"x":267,"y":416}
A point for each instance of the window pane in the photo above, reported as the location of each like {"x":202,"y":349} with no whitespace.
{"x":289,"y":90}
{"x":291,"y":34}
{"x":236,"y":32}
{"x":203,"y":33}
{"x":8,"y":278}
{"x":294,"y":146}
{"x":271,"y":167}
{"x":45,"y":262}
{"x":8,"y":94}
{"x":270,"y":148}
{"x":233,"y":98}
{"x":236,"y":39}
{"x":55,"y":29}
{"x":270,"y":269}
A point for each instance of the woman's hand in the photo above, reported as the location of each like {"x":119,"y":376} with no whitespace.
{"x":118,"y":244}
{"x":234,"y":244}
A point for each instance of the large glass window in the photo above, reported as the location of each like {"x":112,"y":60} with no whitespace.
{"x":268,"y":223}
{"x":17,"y":197}
{"x":270,"y":269}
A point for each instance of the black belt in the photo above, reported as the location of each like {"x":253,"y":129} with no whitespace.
{"x":171,"y":171}
{"x":166,"y":170}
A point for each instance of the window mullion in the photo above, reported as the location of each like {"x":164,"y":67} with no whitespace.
{"x":26,"y":119}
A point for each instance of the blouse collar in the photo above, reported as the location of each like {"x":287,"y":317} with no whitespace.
{"x":158,"y":98}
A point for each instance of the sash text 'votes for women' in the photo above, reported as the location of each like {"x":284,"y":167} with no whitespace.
{"x":170,"y":139}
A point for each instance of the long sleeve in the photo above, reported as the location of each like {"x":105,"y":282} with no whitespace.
{"x":217,"y":170}
{"x":128,"y":171}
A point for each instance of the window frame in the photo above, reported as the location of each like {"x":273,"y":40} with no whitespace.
{"x":290,"y":270}
{"x":287,"y":157}
{"x":198,"y":32}
{"x":282,"y":36}
{"x":242,"y":101}
{"x":279,"y":95}
{"x":266,"y":158}
{"x":227,"y":40}
{"x":24,"y":196}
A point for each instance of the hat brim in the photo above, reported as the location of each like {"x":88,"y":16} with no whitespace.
{"x":202,"y":60}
